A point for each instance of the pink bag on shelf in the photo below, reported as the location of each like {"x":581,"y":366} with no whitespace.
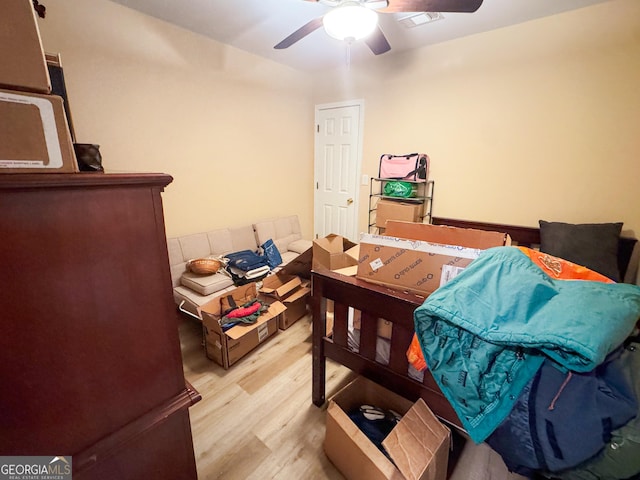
{"x":413,"y":167}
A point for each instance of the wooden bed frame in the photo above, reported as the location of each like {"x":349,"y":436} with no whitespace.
{"x":375,"y":301}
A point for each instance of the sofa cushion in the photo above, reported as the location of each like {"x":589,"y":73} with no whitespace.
{"x":194,"y":246}
{"x":281,"y":245}
{"x":205,"y":285}
{"x":283,"y":227}
{"x":175,"y":251}
{"x":177,"y":269}
{"x":243,"y":238}
{"x":220,"y":241}
{"x":282,"y":231}
{"x":176,"y":260}
{"x":300,"y":246}
{"x":265,"y":230}
{"x":287,"y":257}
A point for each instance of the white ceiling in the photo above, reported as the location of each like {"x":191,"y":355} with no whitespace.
{"x":257,"y":25}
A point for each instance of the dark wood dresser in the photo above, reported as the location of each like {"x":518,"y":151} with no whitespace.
{"x":90,"y":361}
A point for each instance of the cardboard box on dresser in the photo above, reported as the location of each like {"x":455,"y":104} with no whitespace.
{"x":34,"y":132}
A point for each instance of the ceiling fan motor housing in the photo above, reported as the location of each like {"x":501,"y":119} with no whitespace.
{"x":373,"y":4}
{"x":350,"y":21}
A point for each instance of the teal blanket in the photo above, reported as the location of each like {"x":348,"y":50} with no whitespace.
{"x":485,"y":333}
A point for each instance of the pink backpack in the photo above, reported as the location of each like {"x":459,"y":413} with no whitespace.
{"x":413,"y":166}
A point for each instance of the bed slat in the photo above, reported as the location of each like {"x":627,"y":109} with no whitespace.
{"x":340,"y":327}
{"x":368,"y":335}
{"x":400,"y":340}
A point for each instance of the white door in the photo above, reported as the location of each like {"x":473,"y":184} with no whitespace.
{"x":338,"y":158}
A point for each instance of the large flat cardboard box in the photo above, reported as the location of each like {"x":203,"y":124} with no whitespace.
{"x":395,"y":210}
{"x":289,"y":290}
{"x":34,"y":134}
{"x":419,"y":444}
{"x":419,"y":258}
{"x":465,"y":237}
{"x":227,"y":347}
{"x":22,"y":61}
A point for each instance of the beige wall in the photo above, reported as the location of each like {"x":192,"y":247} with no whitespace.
{"x":535,"y":121}
{"x":538,"y":120}
{"x":234,"y":130}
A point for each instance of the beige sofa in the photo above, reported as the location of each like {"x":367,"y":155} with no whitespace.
{"x":191,"y":291}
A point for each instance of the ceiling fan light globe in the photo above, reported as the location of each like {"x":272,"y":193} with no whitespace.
{"x":350,"y":21}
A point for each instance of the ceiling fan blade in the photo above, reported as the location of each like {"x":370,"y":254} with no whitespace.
{"x":376,"y":4}
{"x":462,"y":6}
{"x":299,"y":34}
{"x":377,"y":42}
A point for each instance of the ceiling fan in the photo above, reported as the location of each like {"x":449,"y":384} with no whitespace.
{"x":356,"y":19}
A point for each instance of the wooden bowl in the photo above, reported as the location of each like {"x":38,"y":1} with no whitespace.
{"x":204,"y":266}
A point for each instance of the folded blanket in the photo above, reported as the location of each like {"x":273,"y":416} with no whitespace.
{"x":485,"y":334}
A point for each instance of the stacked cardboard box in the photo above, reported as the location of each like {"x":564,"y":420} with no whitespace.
{"x":34,"y":133}
{"x":397,"y":210}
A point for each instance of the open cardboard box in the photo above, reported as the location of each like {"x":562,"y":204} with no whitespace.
{"x":418,"y":257}
{"x":353,"y":254}
{"x":289,"y":290}
{"x":419,"y":444}
{"x":227,"y":347}
{"x":332,"y":252}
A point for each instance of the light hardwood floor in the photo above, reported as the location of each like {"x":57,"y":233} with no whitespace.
{"x":256,"y":420}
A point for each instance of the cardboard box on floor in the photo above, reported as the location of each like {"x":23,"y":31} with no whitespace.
{"x":418,"y":258}
{"x":385,"y":327}
{"x":396,"y":210}
{"x":419,"y":444}
{"x":34,"y":134}
{"x":227,"y":347}
{"x":289,"y":290}
{"x":22,"y":61}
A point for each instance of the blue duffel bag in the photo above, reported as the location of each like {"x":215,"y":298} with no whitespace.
{"x":245,"y":260}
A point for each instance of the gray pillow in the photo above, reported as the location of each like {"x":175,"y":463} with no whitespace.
{"x":593,"y":245}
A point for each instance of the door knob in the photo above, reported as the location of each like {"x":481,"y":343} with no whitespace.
{"x":349,"y":201}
